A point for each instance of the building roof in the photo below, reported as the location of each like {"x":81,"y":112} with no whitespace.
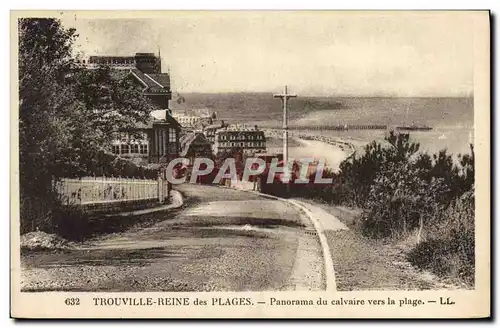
{"x":240,"y":131}
{"x":170,"y":120}
{"x":161,"y":78}
{"x":216,"y":126}
{"x":154,"y":83}
{"x":159,"y":114}
{"x":242,"y":127}
{"x":190,"y":138}
{"x":153,"y":120}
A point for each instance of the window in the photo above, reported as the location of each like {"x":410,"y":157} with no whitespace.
{"x":172,"y":135}
{"x":135,"y":149}
{"x":172,"y":148}
{"x":241,"y":144}
{"x":116,"y":149}
{"x":143,"y":149}
{"x":125,"y":148}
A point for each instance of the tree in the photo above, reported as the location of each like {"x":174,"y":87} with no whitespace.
{"x":67,"y":114}
{"x":358,"y":174}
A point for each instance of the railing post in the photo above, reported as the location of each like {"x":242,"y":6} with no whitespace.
{"x":136,"y":189}
{"x":103,"y":188}
{"x":94,"y":189}
{"x":80,"y":191}
{"x":129,"y":191}
{"x":143,"y":188}
{"x":112,"y":189}
{"x":160,"y":190}
{"x":119,"y":194}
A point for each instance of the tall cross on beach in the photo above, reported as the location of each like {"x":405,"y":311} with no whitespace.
{"x":284,"y":97}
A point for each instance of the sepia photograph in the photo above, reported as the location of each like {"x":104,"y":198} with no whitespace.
{"x":177,"y":152}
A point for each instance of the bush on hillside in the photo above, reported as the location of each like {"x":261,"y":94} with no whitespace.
{"x":448,"y":249}
{"x":400,"y":201}
{"x":358,"y":174}
{"x":402,"y":190}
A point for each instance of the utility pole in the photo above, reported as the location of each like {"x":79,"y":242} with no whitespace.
{"x":284,"y":97}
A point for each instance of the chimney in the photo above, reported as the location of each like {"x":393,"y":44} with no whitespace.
{"x":256,"y":128}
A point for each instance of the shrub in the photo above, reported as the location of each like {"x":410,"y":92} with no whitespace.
{"x":400,"y":201}
{"x":358,"y":174}
{"x":450,"y":242}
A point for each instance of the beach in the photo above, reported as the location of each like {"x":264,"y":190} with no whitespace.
{"x":451,"y":118}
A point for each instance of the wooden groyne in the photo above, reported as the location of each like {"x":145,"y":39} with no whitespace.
{"x":329,"y":127}
{"x":347,"y":127}
{"x":339,"y":127}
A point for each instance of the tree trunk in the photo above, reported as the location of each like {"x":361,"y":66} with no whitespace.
{"x":404,"y":220}
{"x":420,"y":228}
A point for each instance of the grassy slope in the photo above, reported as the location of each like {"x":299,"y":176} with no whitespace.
{"x":362,"y":263}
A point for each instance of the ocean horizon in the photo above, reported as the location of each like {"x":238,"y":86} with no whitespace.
{"x":452,"y":118}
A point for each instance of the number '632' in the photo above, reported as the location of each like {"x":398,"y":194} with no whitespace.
{"x":72,"y":301}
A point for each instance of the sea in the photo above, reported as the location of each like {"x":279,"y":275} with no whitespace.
{"x":451,"y":119}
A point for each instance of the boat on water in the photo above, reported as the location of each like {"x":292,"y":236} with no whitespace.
{"x":412,"y":127}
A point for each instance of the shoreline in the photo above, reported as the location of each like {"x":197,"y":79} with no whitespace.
{"x":306,"y":139}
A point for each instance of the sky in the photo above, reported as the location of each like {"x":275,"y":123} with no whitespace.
{"x":314,"y":53}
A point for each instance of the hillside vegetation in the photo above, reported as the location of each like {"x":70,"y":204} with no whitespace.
{"x":406,"y":194}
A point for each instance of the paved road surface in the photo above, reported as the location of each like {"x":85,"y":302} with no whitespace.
{"x":222,"y":240}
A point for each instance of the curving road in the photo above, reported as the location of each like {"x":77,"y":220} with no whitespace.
{"x":221,"y":240}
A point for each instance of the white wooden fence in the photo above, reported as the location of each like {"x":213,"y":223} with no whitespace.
{"x":94,"y":190}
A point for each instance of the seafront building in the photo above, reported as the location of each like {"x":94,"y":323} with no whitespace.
{"x":159,"y":138}
{"x":210,"y":131}
{"x":250,"y":140}
{"x":193,"y":122}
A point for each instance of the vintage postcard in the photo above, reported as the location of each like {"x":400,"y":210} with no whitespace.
{"x":250,"y":164}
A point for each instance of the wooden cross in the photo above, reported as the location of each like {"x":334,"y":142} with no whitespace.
{"x":284,"y":97}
